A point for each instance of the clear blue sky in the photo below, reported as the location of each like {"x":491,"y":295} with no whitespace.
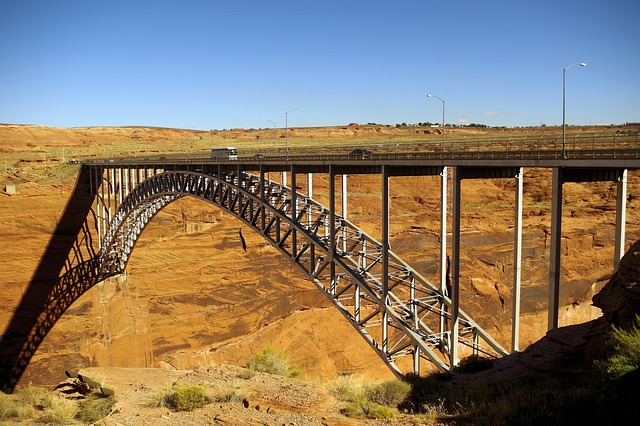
{"x":226,"y":64}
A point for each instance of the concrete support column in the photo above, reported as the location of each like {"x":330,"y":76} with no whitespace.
{"x":112,"y":195}
{"x":100,"y":204}
{"x":120,"y":186}
{"x":554,"y":258}
{"x":455,"y":264}
{"x":385,"y":258}
{"x":621,"y":219}
{"x":443,"y":247}
{"x":344,"y":212}
{"x":517,"y":263}
{"x":263,"y":219}
{"x":415,"y":320}
{"x":310,"y":195}
{"x":127,"y":187}
{"x":294,"y":213}
{"x":332,"y":227}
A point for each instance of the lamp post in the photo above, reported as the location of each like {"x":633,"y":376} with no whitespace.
{"x":187,"y":141}
{"x":275,"y":134}
{"x":564,"y":97}
{"x":286,"y":124}
{"x":441,"y":100}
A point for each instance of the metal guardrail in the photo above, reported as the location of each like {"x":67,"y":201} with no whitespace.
{"x":614,"y":146}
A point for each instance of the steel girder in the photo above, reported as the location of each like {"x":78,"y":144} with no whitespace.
{"x":399,"y":327}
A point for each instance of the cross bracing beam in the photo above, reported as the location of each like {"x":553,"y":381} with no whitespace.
{"x":397,"y":321}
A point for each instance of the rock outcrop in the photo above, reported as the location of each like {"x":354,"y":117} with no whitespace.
{"x":567,"y":353}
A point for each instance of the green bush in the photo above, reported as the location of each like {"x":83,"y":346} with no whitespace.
{"x":354,"y":388}
{"x":368,"y":410}
{"x":349,"y":388}
{"x":625,"y":356}
{"x":391,"y":392}
{"x":187,"y":398}
{"x":272,"y":362}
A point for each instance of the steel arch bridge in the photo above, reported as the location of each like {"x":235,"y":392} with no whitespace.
{"x":405,"y":318}
{"x":407,"y":321}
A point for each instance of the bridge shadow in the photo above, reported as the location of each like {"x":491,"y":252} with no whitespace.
{"x":67,"y":269}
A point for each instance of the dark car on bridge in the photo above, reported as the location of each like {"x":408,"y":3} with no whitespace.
{"x":360,"y":153}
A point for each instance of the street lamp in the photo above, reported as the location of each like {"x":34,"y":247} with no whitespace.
{"x":286,"y":123}
{"x":434,"y":96}
{"x":187,"y":141}
{"x":275,"y":133}
{"x":564,"y":96}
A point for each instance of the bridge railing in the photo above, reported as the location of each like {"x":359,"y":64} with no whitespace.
{"x":587,"y":146}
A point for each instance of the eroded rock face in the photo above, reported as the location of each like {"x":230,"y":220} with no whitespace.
{"x":567,"y":353}
{"x":620,"y":298}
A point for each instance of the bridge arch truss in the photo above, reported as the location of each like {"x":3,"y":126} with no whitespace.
{"x":403,"y":317}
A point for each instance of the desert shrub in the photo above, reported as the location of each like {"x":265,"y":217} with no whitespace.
{"x":247,"y":373}
{"x":5,"y":405}
{"x":474,"y":364}
{"x":349,"y":388}
{"x":532,"y":400}
{"x":179,"y":398}
{"x":34,"y":396}
{"x":368,"y":410}
{"x":431,"y":413}
{"x":59,"y":412}
{"x":160,"y":399}
{"x":187,"y":398}
{"x":232,"y":394}
{"x":617,"y":376}
{"x":272,"y":362}
{"x":354,"y":388}
{"x":95,"y":407}
{"x":366,"y":399}
{"x":11,"y":410}
{"x":390,"y":392}
{"x":625,"y":356}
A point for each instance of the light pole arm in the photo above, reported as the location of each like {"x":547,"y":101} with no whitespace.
{"x":564,"y":103}
{"x":286,"y":125}
{"x":441,"y":100}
